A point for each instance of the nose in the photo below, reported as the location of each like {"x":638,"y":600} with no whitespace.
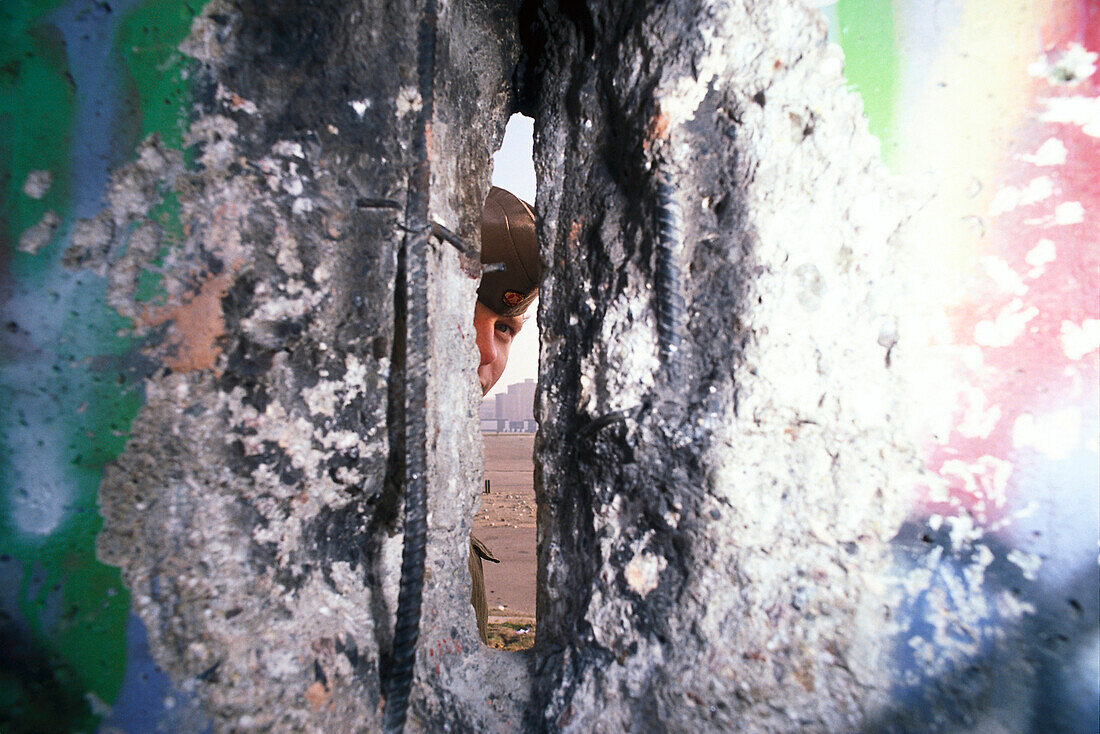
{"x":485,"y":343}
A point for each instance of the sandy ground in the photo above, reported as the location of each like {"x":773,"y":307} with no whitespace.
{"x":506,"y":524}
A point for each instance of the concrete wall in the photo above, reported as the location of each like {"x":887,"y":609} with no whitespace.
{"x":821,"y":457}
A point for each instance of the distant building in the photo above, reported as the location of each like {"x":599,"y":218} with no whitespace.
{"x":512,"y":410}
{"x":488,"y":409}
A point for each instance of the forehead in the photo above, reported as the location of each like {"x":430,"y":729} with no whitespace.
{"x":486,"y":311}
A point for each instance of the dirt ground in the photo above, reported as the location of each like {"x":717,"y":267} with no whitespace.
{"x":506,"y":524}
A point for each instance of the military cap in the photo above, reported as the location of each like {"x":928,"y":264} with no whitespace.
{"x":508,"y":237}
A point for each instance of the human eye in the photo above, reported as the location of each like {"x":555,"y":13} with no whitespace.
{"x":506,"y":328}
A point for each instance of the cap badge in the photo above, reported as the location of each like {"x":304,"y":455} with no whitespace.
{"x":512,"y":298}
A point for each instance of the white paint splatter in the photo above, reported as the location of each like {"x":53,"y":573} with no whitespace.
{"x":288,"y":149}
{"x":301,"y":206}
{"x":963,"y":531}
{"x":234,"y":101}
{"x":1079,"y":340}
{"x":974,"y":572}
{"x":293,"y":185}
{"x":324,"y":397}
{"x":1051,"y":153}
{"x":360,"y":106}
{"x":1070,"y":212}
{"x":972,"y":358}
{"x":1039,"y":256}
{"x":938,"y":490}
{"x":322,"y":273}
{"x":642,"y":572}
{"x":275,"y":310}
{"x":1028,"y":562}
{"x":35,"y":238}
{"x":681,"y":98}
{"x":37,"y":184}
{"x":341,"y":440}
{"x":1069,"y":68}
{"x":355,"y":375}
{"x":979,"y":420}
{"x":408,"y":100}
{"x":1007,"y":327}
{"x":985,"y":479}
{"x":1004,"y":276}
{"x":1011,"y":197}
{"x":1011,"y":606}
{"x":1055,"y":434}
{"x":1077,"y":110}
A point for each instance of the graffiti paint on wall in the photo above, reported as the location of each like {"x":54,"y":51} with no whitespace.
{"x":82,"y":83}
{"x":991,"y":117}
{"x":988,"y":114}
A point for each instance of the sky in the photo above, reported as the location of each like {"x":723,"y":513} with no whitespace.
{"x":514,"y":170}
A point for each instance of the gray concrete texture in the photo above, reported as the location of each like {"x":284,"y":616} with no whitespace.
{"x":713,"y":521}
{"x":713,"y":543}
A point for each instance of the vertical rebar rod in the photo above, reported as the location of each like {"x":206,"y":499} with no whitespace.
{"x":415,"y":247}
{"x":667,"y":278}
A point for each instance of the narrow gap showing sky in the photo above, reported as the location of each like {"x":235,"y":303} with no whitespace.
{"x":514,"y":170}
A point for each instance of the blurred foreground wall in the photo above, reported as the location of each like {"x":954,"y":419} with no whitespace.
{"x":819,"y":392}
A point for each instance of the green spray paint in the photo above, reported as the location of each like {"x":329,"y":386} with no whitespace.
{"x":36,"y":112}
{"x":865,"y":30}
{"x":67,"y":360}
{"x":147,"y":42}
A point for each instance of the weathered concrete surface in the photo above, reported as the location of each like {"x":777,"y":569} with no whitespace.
{"x":254,"y":512}
{"x":712,"y":557}
{"x":713,"y":547}
{"x":713,"y":525}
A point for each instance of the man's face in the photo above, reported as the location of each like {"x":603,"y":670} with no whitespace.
{"x":494,"y":339}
